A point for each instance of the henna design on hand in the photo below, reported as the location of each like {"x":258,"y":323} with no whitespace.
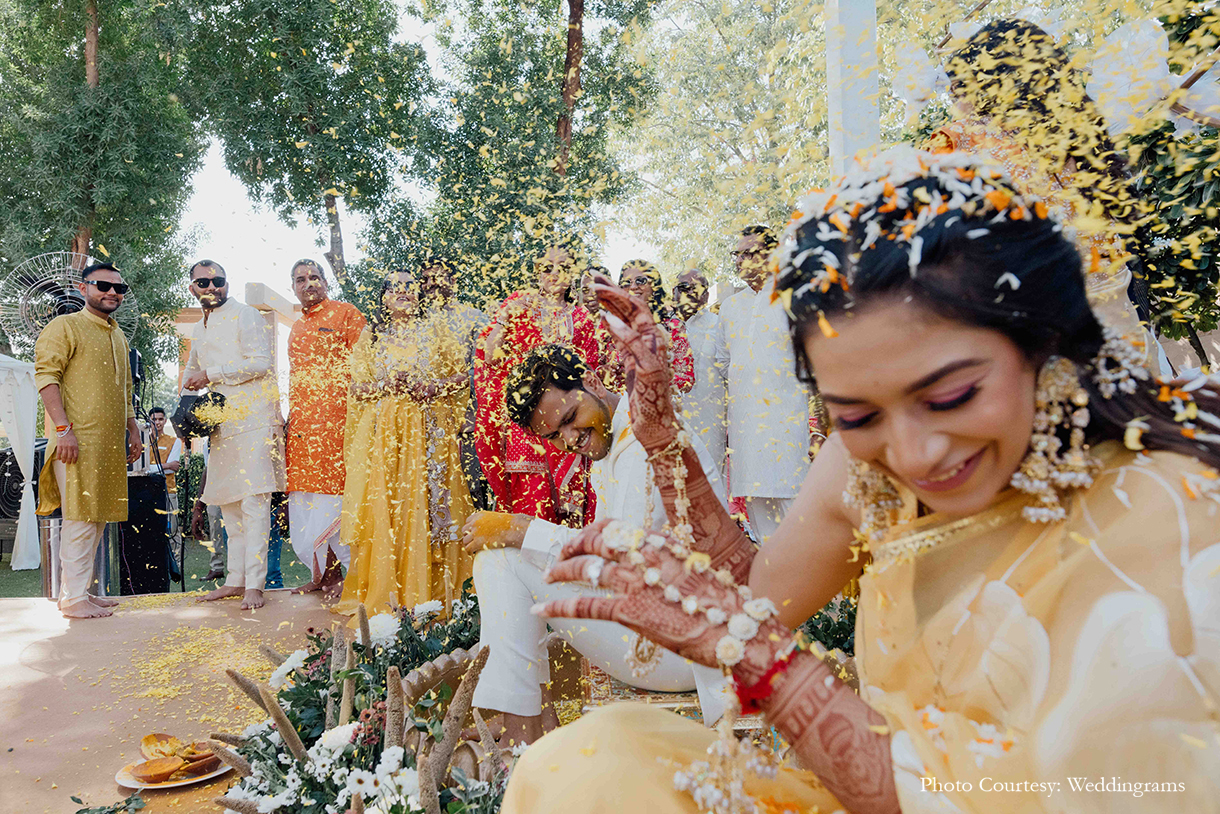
{"x":642,"y":346}
{"x":644,"y":609}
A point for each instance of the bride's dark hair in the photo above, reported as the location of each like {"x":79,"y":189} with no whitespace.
{"x":1022,"y":278}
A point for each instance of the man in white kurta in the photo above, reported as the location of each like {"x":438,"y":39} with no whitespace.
{"x":233,"y":353}
{"x":704,"y":407}
{"x":515,"y":550}
{"x":768,"y":409}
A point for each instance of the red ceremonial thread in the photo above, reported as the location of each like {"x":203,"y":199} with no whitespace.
{"x":751,"y":696}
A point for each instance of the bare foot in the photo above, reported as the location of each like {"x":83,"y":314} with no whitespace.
{"x":252,"y":599}
{"x":103,"y":601}
{"x":84,"y":609}
{"x":331,"y":591}
{"x":223,"y":592}
{"x":307,"y":588}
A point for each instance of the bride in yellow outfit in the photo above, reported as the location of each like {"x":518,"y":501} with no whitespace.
{"x":405,"y":499}
{"x":1035,"y":522}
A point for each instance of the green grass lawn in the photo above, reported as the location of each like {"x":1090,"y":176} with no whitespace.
{"x":29,"y":583}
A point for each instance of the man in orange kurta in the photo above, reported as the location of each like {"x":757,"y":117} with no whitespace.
{"x":319,"y":347}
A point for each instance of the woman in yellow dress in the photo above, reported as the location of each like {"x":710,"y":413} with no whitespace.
{"x":405,"y":498}
{"x":1039,"y":617}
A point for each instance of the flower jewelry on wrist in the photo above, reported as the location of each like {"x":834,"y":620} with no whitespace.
{"x":717,"y":784}
{"x":742,"y":627}
{"x":63,"y":429}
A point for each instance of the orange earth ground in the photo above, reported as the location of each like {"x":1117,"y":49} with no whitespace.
{"x":77,"y":696}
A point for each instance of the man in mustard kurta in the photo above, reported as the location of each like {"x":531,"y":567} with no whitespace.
{"x":83,"y":374}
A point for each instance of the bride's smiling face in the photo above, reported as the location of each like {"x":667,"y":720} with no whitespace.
{"x":945,"y":408}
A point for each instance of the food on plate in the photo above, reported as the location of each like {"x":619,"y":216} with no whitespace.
{"x":157,"y":770}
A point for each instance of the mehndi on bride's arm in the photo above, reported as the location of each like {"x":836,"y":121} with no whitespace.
{"x":834,"y":734}
{"x":655,"y":425}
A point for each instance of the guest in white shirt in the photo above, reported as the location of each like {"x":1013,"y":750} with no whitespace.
{"x":554,"y":396}
{"x":768,"y":409}
{"x":233,"y":353}
{"x":704,"y":407}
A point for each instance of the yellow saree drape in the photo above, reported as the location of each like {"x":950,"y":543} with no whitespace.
{"x":1012,"y":661}
{"x":405,"y":499}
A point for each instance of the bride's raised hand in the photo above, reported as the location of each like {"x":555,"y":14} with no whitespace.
{"x":644,"y":349}
{"x":670,"y":595}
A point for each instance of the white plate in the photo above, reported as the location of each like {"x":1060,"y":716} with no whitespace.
{"x":124,"y":778}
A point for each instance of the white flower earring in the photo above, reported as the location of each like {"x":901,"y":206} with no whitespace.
{"x":1062,"y":404}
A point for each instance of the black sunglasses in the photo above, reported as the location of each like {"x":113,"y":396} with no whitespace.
{"x":105,"y":286}
{"x":204,"y":282}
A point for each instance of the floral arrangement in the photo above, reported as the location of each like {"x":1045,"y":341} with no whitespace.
{"x":343,"y":735}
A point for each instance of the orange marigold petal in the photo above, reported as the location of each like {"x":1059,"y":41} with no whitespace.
{"x":998,"y":198}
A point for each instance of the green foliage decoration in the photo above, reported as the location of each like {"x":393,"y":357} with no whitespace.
{"x":421,"y":635}
{"x":834,"y":626}
{"x":133,"y":803}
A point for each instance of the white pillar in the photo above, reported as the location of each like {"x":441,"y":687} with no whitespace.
{"x":851,"y":79}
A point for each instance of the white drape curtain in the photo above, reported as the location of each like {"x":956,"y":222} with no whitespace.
{"x":18,"y":408}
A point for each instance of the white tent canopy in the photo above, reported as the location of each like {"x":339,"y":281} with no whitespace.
{"x":18,"y":408}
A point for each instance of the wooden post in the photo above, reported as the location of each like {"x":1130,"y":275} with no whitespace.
{"x":851,"y":79}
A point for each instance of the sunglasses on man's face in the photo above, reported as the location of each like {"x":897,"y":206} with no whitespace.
{"x":105,"y":286}
{"x":204,"y":282}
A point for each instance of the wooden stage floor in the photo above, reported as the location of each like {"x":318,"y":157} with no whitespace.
{"x":76,"y":696}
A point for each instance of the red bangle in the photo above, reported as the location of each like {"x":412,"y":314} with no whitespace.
{"x":761,"y":690}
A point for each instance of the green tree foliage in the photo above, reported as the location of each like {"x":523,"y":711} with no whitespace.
{"x":490,"y":171}
{"x":311,"y":100}
{"x":105,"y":162}
{"x":738,"y":128}
{"x":1178,"y":178}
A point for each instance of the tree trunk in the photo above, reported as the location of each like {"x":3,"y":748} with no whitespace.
{"x":91,"y":77}
{"x":335,"y":256}
{"x":84,"y":230}
{"x":1196,"y":344}
{"x":571,"y":81}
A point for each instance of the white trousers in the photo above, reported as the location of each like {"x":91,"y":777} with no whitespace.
{"x":248,"y":523}
{"x":313,"y":525}
{"x":507,"y":586}
{"x":78,"y":540}
{"x":765,"y":514}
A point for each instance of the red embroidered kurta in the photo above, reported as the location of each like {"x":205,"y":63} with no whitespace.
{"x":526,"y":474}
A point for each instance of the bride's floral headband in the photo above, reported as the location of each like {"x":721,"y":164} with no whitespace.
{"x":875,"y":193}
